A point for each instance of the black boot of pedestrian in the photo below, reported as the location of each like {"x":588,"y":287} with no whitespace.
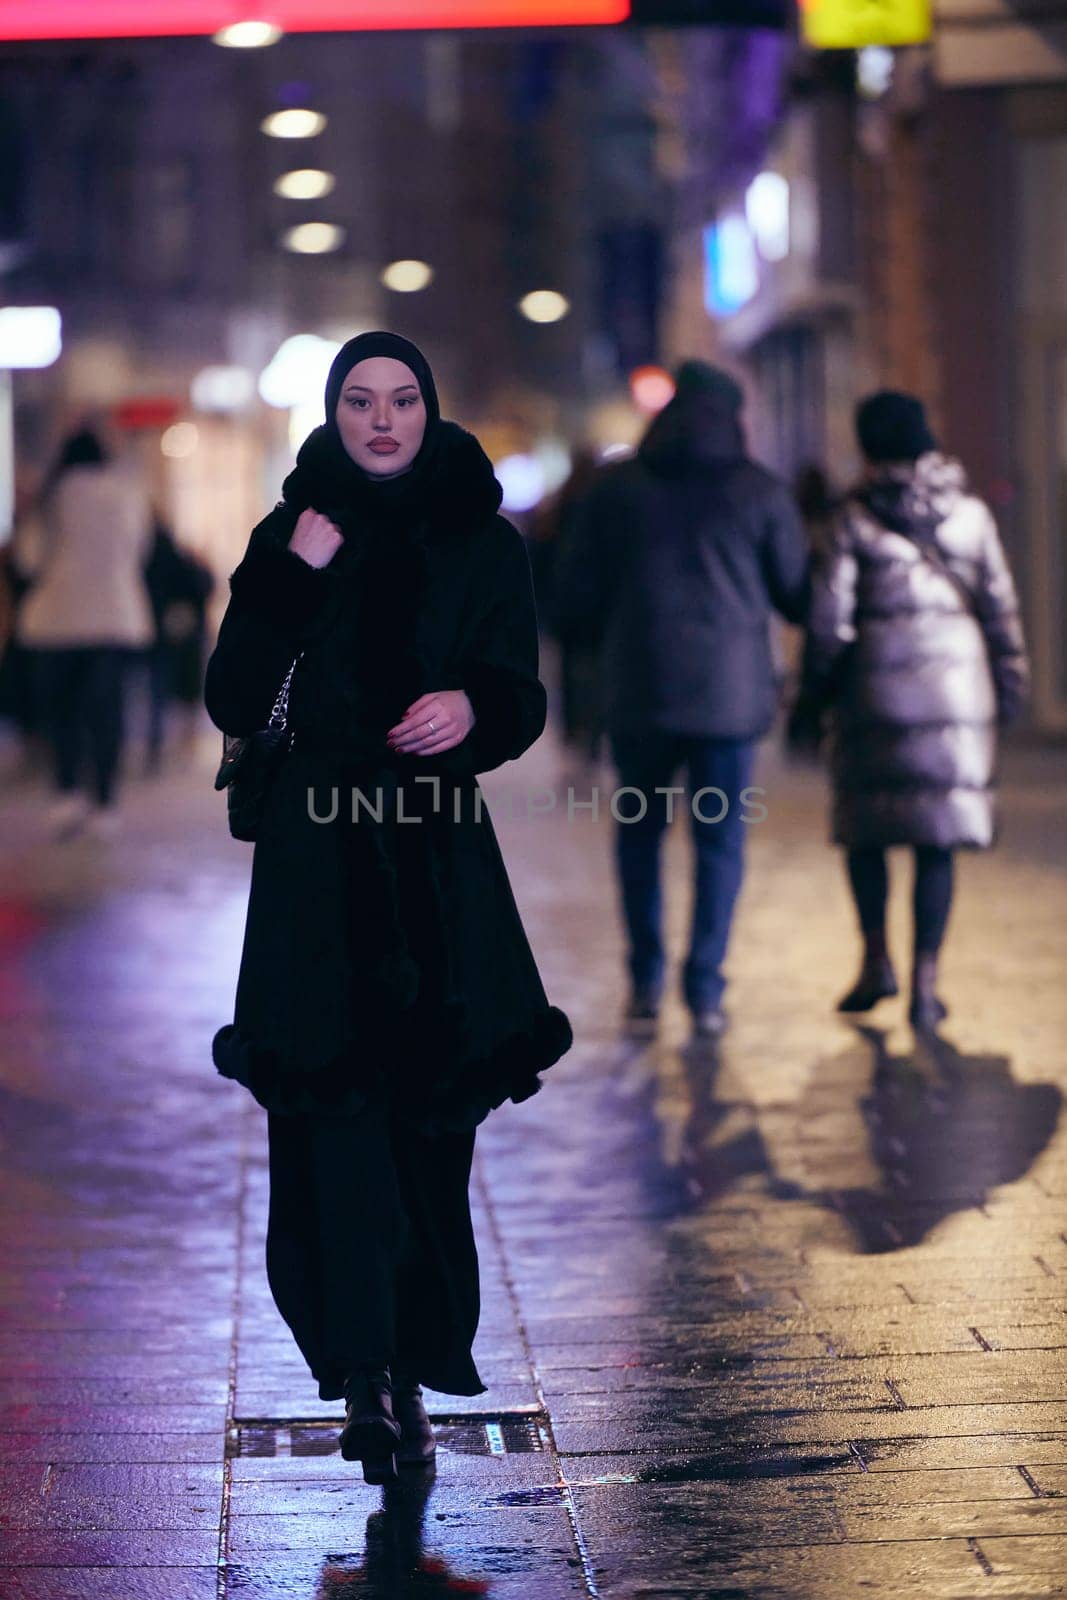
{"x":926,"y":1009}
{"x":642,"y":1011}
{"x":418,"y":1446}
{"x":371,"y":1433}
{"x":877,"y":980}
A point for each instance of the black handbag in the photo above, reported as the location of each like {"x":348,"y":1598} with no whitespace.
{"x":249,"y":765}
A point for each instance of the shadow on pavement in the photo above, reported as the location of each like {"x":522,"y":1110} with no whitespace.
{"x":944,"y":1129}
{"x":721,"y":1143}
{"x":688,"y":1160}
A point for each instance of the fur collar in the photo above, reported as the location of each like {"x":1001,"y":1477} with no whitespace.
{"x":451,"y":489}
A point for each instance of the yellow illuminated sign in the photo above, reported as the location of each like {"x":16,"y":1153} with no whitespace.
{"x":854,"y":24}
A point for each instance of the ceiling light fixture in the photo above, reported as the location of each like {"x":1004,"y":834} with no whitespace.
{"x":306,"y":183}
{"x":544,"y":305}
{"x":407,"y":277}
{"x":296,"y":123}
{"x":247,"y":35}
{"x":313,"y":238}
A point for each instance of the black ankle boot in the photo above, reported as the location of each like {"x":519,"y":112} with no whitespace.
{"x":371,"y":1433}
{"x":926,"y":1009}
{"x":877,"y":981}
{"x":417,"y":1444}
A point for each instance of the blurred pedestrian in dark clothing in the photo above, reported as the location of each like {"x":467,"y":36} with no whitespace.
{"x":19,"y":558}
{"x":684,"y":553}
{"x":15,"y":700}
{"x":179,"y":588}
{"x":816,"y":503}
{"x":916,"y":645}
{"x":558,"y":526}
{"x":86,"y":612}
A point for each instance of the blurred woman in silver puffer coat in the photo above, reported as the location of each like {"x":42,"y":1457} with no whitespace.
{"x":916,"y":645}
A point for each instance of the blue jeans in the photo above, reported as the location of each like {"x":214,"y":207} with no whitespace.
{"x":648,"y":762}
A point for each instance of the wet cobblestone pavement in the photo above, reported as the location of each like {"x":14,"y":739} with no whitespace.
{"x":782,"y":1318}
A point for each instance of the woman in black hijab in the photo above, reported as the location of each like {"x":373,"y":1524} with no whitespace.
{"x":387,"y":998}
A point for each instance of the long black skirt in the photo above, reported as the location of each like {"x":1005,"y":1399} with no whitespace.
{"x":371,"y":1256}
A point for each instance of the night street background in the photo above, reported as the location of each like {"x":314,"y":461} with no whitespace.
{"x":779,"y":1317}
{"x":783,"y":1319}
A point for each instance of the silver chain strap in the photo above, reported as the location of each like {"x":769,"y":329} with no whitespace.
{"x":280,"y":710}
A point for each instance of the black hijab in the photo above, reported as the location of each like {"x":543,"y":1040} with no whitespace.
{"x":362,"y":348}
{"x":449,"y":484}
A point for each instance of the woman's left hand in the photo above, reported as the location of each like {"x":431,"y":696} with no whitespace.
{"x":433,"y":724}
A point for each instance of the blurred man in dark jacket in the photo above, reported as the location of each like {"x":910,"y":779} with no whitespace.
{"x":684,"y":553}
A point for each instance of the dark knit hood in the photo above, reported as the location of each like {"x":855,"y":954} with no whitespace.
{"x":449,"y":488}
{"x":380,"y":343}
{"x":700,"y":429}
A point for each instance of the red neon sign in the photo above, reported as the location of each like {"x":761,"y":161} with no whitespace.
{"x":128,"y":19}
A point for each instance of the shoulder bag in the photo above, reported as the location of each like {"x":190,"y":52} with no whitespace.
{"x":250,"y":764}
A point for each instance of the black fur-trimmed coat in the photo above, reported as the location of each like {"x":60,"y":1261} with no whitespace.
{"x":386,"y":951}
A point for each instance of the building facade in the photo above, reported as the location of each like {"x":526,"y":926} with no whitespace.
{"x":907,"y":227}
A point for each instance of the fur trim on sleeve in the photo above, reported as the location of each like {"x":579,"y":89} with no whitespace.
{"x":279,"y":586}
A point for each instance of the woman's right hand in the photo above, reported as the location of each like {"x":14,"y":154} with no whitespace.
{"x":315,"y":539}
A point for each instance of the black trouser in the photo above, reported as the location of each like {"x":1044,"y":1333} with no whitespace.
{"x":80,"y":694}
{"x":868,"y":874}
{"x":371,"y":1256}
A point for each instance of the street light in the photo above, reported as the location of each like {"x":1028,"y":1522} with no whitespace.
{"x":544,"y":305}
{"x":296,"y":123}
{"x":30,"y":337}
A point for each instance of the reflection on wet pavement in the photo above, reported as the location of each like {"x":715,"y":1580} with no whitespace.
{"x":781,"y":1317}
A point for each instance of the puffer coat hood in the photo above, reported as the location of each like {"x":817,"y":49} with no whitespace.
{"x":694,"y":433}
{"x":916,"y":639}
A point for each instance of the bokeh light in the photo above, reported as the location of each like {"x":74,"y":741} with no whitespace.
{"x":180,"y":440}
{"x":314,"y":238}
{"x":522,"y":478}
{"x":304,"y":183}
{"x":296,"y":123}
{"x":407,"y":277}
{"x":544,"y":305}
{"x":651,"y":388}
{"x":247,"y":35}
